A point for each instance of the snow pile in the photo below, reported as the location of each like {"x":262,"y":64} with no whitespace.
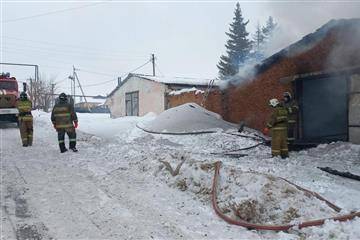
{"x":188,"y":118}
{"x":249,"y":196}
{"x":186,"y":90}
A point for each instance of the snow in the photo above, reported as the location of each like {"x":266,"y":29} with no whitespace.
{"x":117,"y":187}
{"x":187,"y":118}
{"x":186,"y":90}
{"x":180,"y":80}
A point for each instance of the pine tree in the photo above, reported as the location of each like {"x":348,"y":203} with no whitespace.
{"x":238,"y":47}
{"x":258,"y":46}
{"x":269,"y":29}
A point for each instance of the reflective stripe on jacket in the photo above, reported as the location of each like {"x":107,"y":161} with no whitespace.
{"x":279,"y":118}
{"x":24,"y":108}
{"x":63,"y":115}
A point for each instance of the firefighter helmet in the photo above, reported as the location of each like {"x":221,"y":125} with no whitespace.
{"x":23,"y":96}
{"x":287,"y":96}
{"x":274,"y":102}
{"x":63,"y":97}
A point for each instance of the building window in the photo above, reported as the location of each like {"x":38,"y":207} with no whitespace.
{"x":132,"y":103}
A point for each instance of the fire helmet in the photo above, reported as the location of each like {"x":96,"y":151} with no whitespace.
{"x":274,"y":102}
{"x":23,"y":96}
{"x":63,"y":97}
{"x":287,"y":96}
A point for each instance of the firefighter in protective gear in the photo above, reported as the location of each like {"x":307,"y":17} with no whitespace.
{"x":25,"y":119}
{"x":278,"y":126}
{"x":64,"y":119}
{"x":293,"y":109}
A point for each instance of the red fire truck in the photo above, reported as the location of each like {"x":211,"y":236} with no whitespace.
{"x":8,"y":95}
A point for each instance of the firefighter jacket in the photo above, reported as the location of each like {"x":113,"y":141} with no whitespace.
{"x":24,"y":108}
{"x":292,"y":109}
{"x":63,"y":115}
{"x":279,"y":119}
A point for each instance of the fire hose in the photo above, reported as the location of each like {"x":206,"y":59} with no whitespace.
{"x":285,"y":227}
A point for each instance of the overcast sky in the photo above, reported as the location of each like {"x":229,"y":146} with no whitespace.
{"x":107,"y":39}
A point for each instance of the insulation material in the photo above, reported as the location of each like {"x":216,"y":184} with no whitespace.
{"x":188,"y":118}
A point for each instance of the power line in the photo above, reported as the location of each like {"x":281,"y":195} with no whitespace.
{"x":52,"y":49}
{"x":93,"y":72}
{"x":77,"y":47}
{"x":108,"y":81}
{"x":157,"y":67}
{"x":135,"y":69}
{"x":82,"y":55}
{"x":52,"y":12}
{"x":62,"y":80}
{"x":101,"y":83}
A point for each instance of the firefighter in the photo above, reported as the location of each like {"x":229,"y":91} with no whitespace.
{"x":25,"y":119}
{"x":65,"y":120}
{"x":278,"y":126}
{"x":292,"y":108}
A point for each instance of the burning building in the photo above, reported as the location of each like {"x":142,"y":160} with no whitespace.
{"x":322,"y":70}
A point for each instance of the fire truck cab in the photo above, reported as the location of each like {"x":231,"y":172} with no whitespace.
{"x":8,"y":96}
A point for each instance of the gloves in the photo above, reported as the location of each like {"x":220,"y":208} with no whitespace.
{"x":75,"y":124}
{"x":266,"y":131}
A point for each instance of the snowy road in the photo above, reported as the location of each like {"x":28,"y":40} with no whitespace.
{"x":48,"y":195}
{"x":114,"y":187}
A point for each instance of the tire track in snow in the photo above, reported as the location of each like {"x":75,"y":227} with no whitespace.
{"x":54,"y":185}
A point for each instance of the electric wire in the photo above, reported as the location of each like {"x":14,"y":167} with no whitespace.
{"x":111,"y":80}
{"x":52,"y":12}
{"x":76,"y":47}
{"x":72,"y":54}
{"x":157,"y":67}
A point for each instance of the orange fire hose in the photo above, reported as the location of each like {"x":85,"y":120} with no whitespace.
{"x":249,"y":225}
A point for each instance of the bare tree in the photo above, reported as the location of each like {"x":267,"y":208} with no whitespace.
{"x":42,"y":92}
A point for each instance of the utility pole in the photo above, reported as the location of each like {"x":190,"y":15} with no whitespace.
{"x":153,"y":63}
{"x":82,"y":91}
{"x":72,"y":84}
{"x":52,"y":95}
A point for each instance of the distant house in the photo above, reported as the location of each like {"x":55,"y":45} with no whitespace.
{"x":92,"y":105}
{"x":139,"y":94}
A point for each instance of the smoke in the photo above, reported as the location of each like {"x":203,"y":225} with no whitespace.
{"x":296,"y":19}
{"x":246,"y":74}
{"x":346,"y":51}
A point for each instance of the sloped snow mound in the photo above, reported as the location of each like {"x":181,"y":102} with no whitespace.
{"x":188,"y":118}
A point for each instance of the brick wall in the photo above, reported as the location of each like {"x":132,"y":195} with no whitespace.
{"x":212,"y":103}
{"x":249,"y":101}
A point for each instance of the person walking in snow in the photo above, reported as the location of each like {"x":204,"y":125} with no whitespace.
{"x":25,"y":119}
{"x":278,"y":125}
{"x":64,"y":119}
{"x":292,"y":108}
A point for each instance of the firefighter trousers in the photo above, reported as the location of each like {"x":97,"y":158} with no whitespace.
{"x":61,"y":138}
{"x":279,"y":144}
{"x":26,"y":131}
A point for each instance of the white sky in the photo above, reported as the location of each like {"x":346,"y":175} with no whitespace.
{"x":114,"y":37}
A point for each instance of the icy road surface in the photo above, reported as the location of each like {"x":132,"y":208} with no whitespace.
{"x":115,"y":186}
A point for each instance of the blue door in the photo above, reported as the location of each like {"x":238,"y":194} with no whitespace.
{"x":324,"y":109}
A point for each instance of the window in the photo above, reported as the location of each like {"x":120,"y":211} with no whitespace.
{"x":8,"y":85}
{"x":132,"y":103}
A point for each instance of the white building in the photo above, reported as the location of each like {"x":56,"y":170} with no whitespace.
{"x":140,"y":94}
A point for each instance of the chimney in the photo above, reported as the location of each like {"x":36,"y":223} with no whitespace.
{"x":119,"y":81}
